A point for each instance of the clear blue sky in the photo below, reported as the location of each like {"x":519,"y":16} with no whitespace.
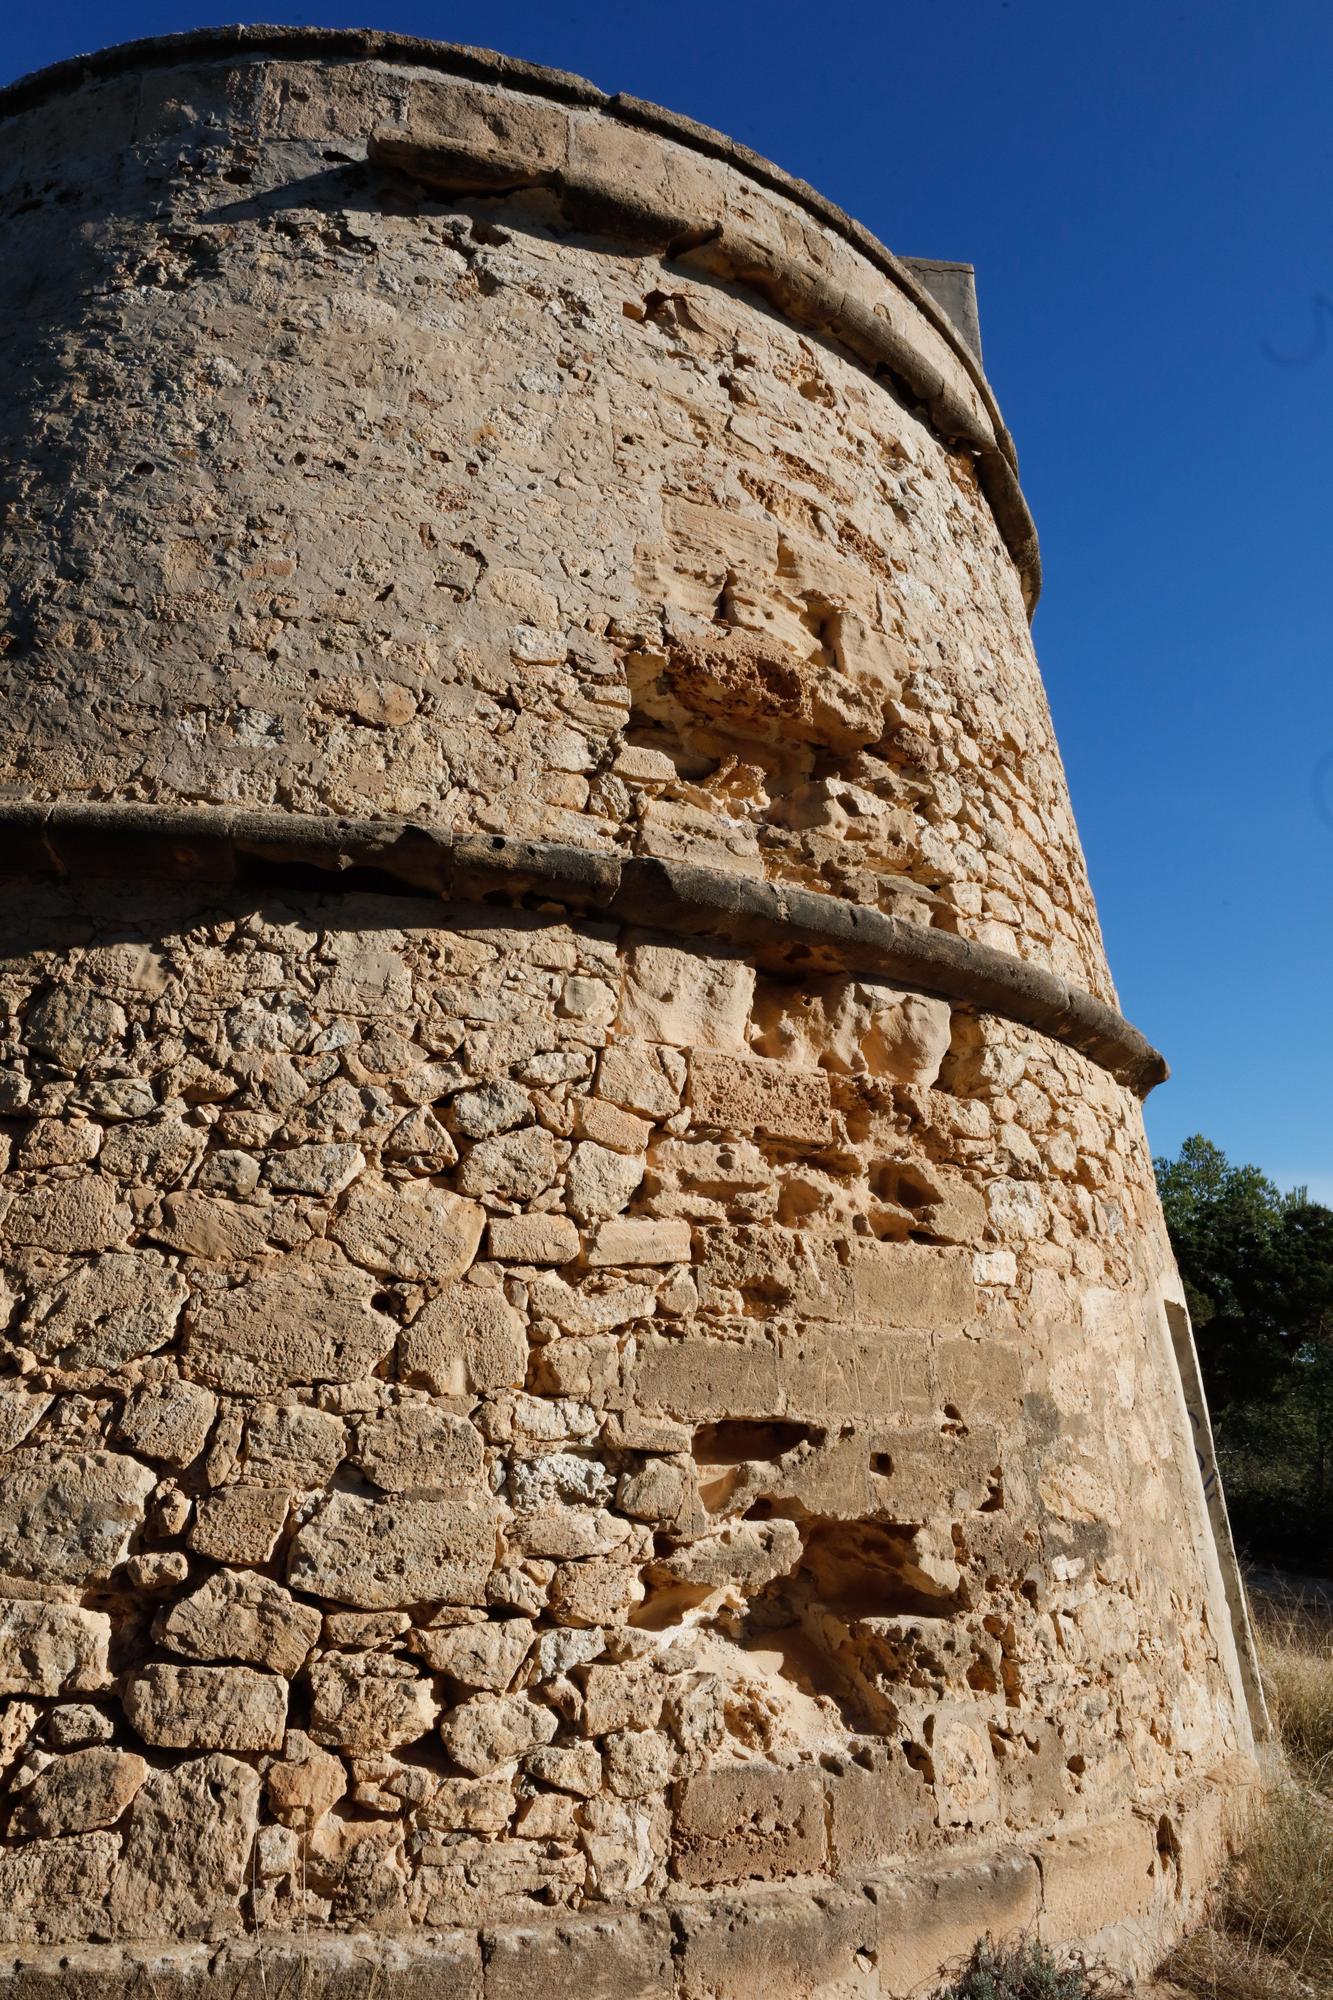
{"x":1146,"y":190}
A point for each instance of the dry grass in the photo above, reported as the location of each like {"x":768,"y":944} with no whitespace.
{"x":1272,"y":1935}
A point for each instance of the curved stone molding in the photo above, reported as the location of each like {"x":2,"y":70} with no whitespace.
{"x":606,"y":191}
{"x":781,"y":927}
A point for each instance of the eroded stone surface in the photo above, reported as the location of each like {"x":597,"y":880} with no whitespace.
{"x":514,"y":1422}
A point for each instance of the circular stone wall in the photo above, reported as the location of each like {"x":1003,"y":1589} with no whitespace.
{"x":589,"y":1383}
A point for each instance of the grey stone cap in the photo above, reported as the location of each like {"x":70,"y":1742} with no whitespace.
{"x":997,"y":462}
{"x":781,"y":926}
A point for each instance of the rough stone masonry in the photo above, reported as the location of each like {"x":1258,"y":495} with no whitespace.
{"x":589,"y":1391}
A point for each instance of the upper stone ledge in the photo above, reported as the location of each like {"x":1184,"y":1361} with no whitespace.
{"x":980,"y":427}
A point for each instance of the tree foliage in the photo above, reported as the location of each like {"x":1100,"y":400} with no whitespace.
{"x":1258,"y":1271}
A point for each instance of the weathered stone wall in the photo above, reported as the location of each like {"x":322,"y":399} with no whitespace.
{"x":573,"y":1449}
{"x":507,"y":1415}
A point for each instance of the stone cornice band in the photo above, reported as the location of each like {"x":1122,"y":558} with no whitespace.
{"x":605,"y":202}
{"x":782,"y":927}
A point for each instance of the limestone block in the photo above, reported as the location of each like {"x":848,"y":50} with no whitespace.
{"x":187,"y":1848}
{"x":599,"y":1182}
{"x":67,"y":1517}
{"x":241,"y":1617}
{"x":877,"y":1805}
{"x":413,"y":1445}
{"x":72,"y":1217}
{"x":532,"y":1239}
{"x":751,"y":1094}
{"x":911,"y":1284}
{"x":78,"y":1793}
{"x":240,"y":1524}
{"x":112,"y":1309}
{"x":512,"y":1166}
{"x":637,"y":1761}
{"x":304,"y":1322}
{"x":168,"y":1420}
{"x":967,"y":1792}
{"x":932,"y":1917}
{"x":1097,"y":1875}
{"x":47,"y":1649}
{"x":749,"y":1822}
{"x":320,"y":1170}
{"x":686,"y":999}
{"x":469,"y":1341}
{"x":21,"y":1410}
{"x":491,"y":1730}
{"x":206,"y":1708}
{"x":304,"y":1782}
{"x":640,"y":1240}
{"x":369,"y":1701}
{"x":701,"y":1381}
{"x":642,"y":1076}
{"x":207,"y":1225}
{"x":623,"y":1957}
{"x":77,"y":1726}
{"x":485,"y":1656}
{"x":378,"y":1554}
{"x":74,"y":1025}
{"x":408,"y":1229}
{"x":595,"y":1591}
{"x":820,"y":1943}
{"x":290,"y":1445}
{"x":57,"y":1889}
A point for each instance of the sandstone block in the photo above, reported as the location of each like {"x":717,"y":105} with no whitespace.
{"x":47,"y":1649}
{"x":77,"y":1793}
{"x":469,"y":1341}
{"x":206,"y":1708}
{"x":533,"y":1239}
{"x":67,"y":1517}
{"x":687,"y":999}
{"x":751,"y":1822}
{"x":379,"y":1554}
{"x":241,"y":1617}
{"x":752,"y":1094}
{"x":414,"y":1445}
{"x":409,"y":1229}
{"x":369,"y":1701}
{"x":305,"y":1322}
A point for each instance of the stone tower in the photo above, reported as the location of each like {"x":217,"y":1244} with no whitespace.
{"x":592,"y":1380}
